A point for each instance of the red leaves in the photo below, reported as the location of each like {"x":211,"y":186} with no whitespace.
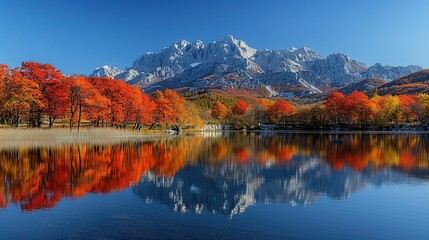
{"x":35,"y":92}
{"x":163,"y":112}
{"x":176,"y":103}
{"x":406,"y":104}
{"x":335,"y":106}
{"x":146,"y":109}
{"x":38,"y":91}
{"x":42,"y":74}
{"x":356,"y":108}
{"x":240,"y":107}
{"x":280,"y":110}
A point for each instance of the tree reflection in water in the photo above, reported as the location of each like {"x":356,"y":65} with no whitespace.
{"x":222,"y":174}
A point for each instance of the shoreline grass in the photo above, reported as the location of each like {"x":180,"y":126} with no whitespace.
{"x":20,"y":137}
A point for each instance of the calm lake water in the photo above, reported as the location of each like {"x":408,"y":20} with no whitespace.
{"x":220,"y":186}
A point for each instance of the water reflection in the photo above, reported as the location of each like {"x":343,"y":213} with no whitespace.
{"x":220,"y":174}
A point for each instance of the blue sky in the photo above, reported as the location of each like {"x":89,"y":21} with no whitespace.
{"x":77,"y":36}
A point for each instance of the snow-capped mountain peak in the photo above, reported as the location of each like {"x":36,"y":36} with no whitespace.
{"x":230,"y":62}
{"x":106,"y":71}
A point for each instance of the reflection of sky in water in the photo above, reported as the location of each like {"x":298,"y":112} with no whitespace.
{"x":302,"y":186}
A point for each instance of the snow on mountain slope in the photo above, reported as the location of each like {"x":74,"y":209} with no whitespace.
{"x":232,"y":63}
{"x":106,"y":71}
{"x":312,"y":88}
{"x":388,"y":72}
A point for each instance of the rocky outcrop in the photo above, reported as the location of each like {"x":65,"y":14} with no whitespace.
{"x":215,"y":127}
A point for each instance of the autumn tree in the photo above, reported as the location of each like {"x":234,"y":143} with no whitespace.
{"x":20,"y":94}
{"x":421,"y":108}
{"x":4,"y":71}
{"x":359,"y":110}
{"x":83,"y":99}
{"x":116,"y":91}
{"x":53,"y":95}
{"x":389,"y":109}
{"x":132,"y":105}
{"x":314,"y":115}
{"x":240,"y":107}
{"x":55,"y":100}
{"x":219,"y":111}
{"x":145,"y":115}
{"x":163,"y":111}
{"x":97,"y":110}
{"x":335,"y":107}
{"x":281,"y":110}
{"x":265,"y":103}
{"x":176,"y":102}
{"x":405,"y":108}
{"x":255,"y":115}
{"x":191,"y":115}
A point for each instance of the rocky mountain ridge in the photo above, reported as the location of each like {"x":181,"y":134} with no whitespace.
{"x":230,"y":190}
{"x":231,"y":63}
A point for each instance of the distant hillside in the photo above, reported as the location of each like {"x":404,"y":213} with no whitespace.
{"x":364,"y":86}
{"x":206,"y":99}
{"x":411,"y":84}
{"x":367,"y":86}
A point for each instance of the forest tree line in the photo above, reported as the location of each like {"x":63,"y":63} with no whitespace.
{"x":356,"y":110}
{"x":36,"y":95}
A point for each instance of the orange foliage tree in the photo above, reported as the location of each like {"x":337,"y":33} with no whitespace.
{"x":20,"y":94}
{"x":219,"y":111}
{"x":281,"y":110}
{"x":163,"y":111}
{"x":53,"y":92}
{"x":405,"y":107}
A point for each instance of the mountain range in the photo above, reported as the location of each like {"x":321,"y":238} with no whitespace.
{"x":230,"y":190}
{"x":231,"y":63}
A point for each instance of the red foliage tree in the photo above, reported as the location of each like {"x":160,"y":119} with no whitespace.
{"x":144,"y":116}
{"x":355,"y":107}
{"x":176,"y":102}
{"x":335,"y":106}
{"x":406,"y":103}
{"x":240,"y":107}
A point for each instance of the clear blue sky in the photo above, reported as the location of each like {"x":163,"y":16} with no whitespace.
{"x":77,"y":36}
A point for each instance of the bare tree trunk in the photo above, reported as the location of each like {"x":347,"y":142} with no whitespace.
{"x":51,"y":121}
{"x":17,"y":118}
{"x":79,"y":118}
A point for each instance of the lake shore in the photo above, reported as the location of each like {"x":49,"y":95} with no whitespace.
{"x":343,"y":128}
{"x":40,"y":137}
{"x":45,"y":137}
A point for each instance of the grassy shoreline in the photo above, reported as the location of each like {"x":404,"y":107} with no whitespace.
{"x":59,"y":136}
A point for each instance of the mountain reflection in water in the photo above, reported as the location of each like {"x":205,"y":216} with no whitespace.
{"x":222,"y":174}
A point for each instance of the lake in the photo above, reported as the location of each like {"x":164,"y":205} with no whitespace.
{"x":254,"y":185}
